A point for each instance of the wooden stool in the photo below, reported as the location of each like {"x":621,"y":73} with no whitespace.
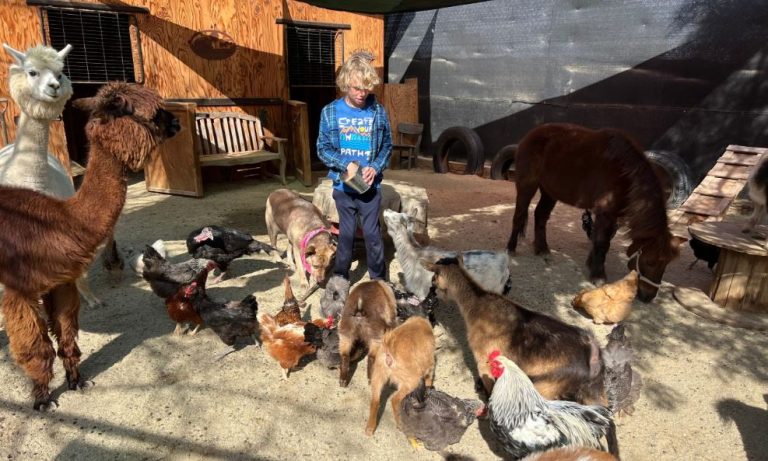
{"x":741,"y":280}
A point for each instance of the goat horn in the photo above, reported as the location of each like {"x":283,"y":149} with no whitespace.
{"x":309,"y":292}
{"x":416,"y":220}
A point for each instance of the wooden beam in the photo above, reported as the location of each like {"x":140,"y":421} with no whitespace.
{"x":89,"y":6}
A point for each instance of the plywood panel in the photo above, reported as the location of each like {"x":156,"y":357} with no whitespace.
{"x":401,"y":103}
{"x":720,"y":187}
{"x":739,"y":158}
{"x":706,"y":205}
{"x":724,"y":170}
{"x":174,"y":168}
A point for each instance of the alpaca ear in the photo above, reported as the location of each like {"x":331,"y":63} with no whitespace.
{"x":18,"y":56}
{"x":118,"y":106}
{"x":84,"y":104}
{"x":64,"y":52}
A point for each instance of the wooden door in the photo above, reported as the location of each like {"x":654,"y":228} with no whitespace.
{"x":174,"y":167}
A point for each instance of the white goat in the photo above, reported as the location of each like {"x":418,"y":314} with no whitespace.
{"x":489,"y":269}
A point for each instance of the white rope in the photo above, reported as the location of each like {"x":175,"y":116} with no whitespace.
{"x":637,"y":268}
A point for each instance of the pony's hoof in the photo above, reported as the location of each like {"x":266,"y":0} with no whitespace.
{"x":80,"y":384}
{"x":46,"y":405}
{"x":343,"y":383}
{"x":598,"y":281}
{"x":542,"y":251}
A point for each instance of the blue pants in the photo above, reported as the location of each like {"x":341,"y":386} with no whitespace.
{"x":367,"y":206}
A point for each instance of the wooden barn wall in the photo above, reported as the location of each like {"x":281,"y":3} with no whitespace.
{"x":257,"y":69}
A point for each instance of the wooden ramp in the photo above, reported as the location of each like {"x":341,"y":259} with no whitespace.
{"x":712,"y":197}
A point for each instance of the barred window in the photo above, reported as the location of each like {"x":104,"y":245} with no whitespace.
{"x":105,"y":44}
{"x":313,"y":55}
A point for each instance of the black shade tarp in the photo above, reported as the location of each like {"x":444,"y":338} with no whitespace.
{"x":386,"y":6}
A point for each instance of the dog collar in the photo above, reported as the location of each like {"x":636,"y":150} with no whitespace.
{"x":303,"y":248}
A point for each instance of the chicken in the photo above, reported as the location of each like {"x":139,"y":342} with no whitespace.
{"x":704,"y":251}
{"x":285,"y":343}
{"x":165,"y":278}
{"x":622,"y":383}
{"x":435,"y":418}
{"x":524,"y":422}
{"x":610,"y":303}
{"x":409,"y":305}
{"x":223,"y":245}
{"x":291,"y":312}
{"x":180,"y":306}
{"x":326,"y":341}
{"x":137,"y":262}
{"x":234,"y":321}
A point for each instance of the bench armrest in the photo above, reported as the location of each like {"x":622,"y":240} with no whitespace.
{"x":274,"y":138}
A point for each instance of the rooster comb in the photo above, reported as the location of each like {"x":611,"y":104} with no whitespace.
{"x":494,"y":355}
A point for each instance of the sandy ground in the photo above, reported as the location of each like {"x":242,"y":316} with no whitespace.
{"x":158,"y":396}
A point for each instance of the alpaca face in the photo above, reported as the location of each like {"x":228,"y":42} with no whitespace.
{"x":128,"y":120}
{"x":37,"y":83}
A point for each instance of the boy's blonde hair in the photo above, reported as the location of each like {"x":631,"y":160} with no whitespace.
{"x":358,"y":66}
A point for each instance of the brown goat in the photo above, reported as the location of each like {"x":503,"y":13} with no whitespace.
{"x":370,"y":311}
{"x":563,"y":361}
{"x":406,"y":355}
{"x":47,"y":244}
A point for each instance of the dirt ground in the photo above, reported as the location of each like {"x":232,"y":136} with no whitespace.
{"x":158,"y":396}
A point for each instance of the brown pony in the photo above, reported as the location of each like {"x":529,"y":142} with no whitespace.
{"x":604,"y":171}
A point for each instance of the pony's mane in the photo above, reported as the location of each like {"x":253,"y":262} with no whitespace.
{"x":645,"y":207}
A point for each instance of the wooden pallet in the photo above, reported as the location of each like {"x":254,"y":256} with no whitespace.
{"x":712,"y":197}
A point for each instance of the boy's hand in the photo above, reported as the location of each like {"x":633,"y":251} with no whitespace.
{"x":369,"y":174}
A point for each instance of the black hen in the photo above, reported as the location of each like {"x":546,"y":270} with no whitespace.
{"x":326,"y":340}
{"x":233,"y":321}
{"x":165,"y":278}
{"x":435,"y":418}
{"x":622,"y":383}
{"x":704,"y":251}
{"x":409,"y":305}
{"x":223,"y":245}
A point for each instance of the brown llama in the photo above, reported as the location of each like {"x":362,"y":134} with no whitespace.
{"x":563,"y":361}
{"x":47,"y":243}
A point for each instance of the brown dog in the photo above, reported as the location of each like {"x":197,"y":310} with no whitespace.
{"x":311,"y":247}
{"x":406,"y":355}
{"x":369,"y":312}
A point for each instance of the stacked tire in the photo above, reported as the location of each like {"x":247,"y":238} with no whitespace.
{"x":452,"y":140}
{"x":678,"y":183}
{"x":502,"y":166}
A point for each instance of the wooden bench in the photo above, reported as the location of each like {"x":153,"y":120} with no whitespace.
{"x":231,"y":138}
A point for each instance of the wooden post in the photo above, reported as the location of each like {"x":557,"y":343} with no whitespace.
{"x":298,"y":127}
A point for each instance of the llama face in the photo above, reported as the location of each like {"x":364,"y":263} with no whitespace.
{"x":37,"y":82}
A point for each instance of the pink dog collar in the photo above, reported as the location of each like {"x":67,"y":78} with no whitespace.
{"x":303,"y":248}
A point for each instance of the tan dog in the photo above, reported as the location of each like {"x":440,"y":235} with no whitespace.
{"x":311,"y":247}
{"x":406,"y":355}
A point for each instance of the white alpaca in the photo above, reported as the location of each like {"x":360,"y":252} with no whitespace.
{"x":41,"y":90}
{"x":489,"y":269}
